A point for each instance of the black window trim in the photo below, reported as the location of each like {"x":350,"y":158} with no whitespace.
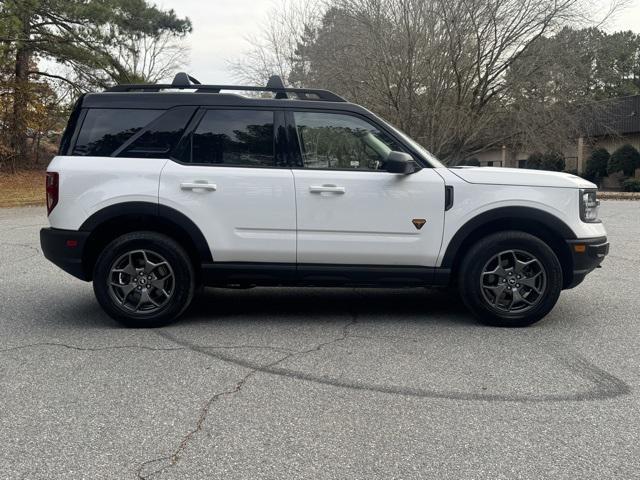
{"x":283,"y":118}
{"x":72,"y":126}
{"x":278,"y":121}
{"x":76,"y":134}
{"x":295,"y":149}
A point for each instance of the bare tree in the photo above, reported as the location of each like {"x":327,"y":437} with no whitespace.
{"x":275,"y":50}
{"x":438,"y":69}
{"x":152,"y":58}
{"x":141,"y":58}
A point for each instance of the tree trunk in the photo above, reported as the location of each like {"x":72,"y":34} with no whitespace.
{"x":18,"y":125}
{"x":37,"y":149}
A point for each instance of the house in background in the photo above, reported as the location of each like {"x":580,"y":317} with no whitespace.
{"x":613,"y":123}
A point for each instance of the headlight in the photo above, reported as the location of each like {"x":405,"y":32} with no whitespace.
{"x":589,"y":206}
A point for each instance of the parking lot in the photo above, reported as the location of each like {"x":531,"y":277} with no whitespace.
{"x":317,"y":383}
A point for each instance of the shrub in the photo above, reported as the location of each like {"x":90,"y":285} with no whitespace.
{"x":553,"y":161}
{"x":596,"y":167}
{"x":470,"y":162}
{"x":631,"y":185}
{"x":535,"y":161}
{"x":546,"y":161}
{"x":625,"y":159}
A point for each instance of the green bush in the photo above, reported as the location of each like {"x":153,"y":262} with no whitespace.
{"x":625,"y":159}
{"x":546,"y":161}
{"x":535,"y":161}
{"x":631,"y":185}
{"x":553,"y":161}
{"x":470,"y":162}
{"x":596,"y":167}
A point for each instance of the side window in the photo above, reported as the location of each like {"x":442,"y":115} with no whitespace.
{"x":161,"y":136}
{"x":104,"y":130}
{"x":345,"y":142}
{"x":241,"y":138}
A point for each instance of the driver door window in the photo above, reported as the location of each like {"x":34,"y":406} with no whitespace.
{"x":332,"y":141}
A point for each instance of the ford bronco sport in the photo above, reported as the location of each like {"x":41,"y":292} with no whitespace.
{"x":158,"y":189}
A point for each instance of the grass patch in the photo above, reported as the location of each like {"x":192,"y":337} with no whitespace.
{"x":23,"y":188}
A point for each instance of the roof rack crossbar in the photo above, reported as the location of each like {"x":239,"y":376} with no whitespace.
{"x":182,"y":81}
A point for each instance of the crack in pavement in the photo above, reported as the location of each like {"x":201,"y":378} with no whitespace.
{"x":141,"y":347}
{"x":603,"y":384}
{"x":173,"y":459}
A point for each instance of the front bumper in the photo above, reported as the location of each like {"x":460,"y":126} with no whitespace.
{"x":587,"y":254}
{"x":65,"y":249}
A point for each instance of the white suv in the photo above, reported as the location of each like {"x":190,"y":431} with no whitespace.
{"x":155,"y":192}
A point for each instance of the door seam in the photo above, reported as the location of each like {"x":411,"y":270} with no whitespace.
{"x":295,"y":206}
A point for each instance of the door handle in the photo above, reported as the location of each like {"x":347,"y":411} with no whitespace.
{"x":203,"y":185}
{"x":327,"y":189}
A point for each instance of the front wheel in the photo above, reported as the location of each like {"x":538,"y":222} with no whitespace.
{"x":143,"y":279}
{"x":510,"y":279}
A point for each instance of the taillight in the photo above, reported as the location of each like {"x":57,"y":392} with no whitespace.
{"x":52,"y":187}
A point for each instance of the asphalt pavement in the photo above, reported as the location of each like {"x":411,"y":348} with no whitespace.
{"x":317,"y":383}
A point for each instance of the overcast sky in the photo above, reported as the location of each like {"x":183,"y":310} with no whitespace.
{"x":221,"y":27}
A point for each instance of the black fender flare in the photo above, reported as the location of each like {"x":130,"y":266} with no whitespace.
{"x":551,"y":222}
{"x":162,"y":212}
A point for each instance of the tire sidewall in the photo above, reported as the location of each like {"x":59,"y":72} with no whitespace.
{"x":172,"y":252}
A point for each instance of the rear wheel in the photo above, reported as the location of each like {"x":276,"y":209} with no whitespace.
{"x":510,"y":279}
{"x":144,"y":279}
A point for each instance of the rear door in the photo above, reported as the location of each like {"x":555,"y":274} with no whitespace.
{"x":234,"y":182}
{"x":349,"y":209}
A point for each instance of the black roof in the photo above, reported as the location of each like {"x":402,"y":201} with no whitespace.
{"x":617,"y":116}
{"x":165,"y":100}
{"x":186,"y":90}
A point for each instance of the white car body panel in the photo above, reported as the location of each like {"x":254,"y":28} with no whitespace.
{"x":89,"y":184}
{"x":269,"y":215}
{"x":473,"y":199}
{"x":370,"y":222}
{"x":249,"y":217}
{"x":520,"y":177}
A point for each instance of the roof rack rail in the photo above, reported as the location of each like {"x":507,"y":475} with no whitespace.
{"x":183,"y":81}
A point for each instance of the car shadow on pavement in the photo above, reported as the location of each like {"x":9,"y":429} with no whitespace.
{"x":438,"y":305}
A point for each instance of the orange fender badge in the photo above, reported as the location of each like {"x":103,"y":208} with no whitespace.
{"x":418,"y":222}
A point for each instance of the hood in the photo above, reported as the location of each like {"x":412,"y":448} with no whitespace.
{"x":520,"y":176}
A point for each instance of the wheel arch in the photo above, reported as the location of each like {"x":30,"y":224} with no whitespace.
{"x":115,"y":220}
{"x":539,"y":223}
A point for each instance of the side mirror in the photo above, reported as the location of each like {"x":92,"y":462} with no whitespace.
{"x":400,"y":162}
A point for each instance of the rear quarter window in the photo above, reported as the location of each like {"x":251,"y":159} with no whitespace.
{"x":69,"y":130}
{"x":104,"y":130}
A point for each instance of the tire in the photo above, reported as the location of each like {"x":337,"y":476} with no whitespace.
{"x":144,"y":279}
{"x":504,"y":261}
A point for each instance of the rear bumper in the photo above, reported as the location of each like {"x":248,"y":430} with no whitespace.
{"x":65,"y":249}
{"x":587,"y":255}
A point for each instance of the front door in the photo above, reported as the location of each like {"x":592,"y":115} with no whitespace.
{"x":349,"y":209}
